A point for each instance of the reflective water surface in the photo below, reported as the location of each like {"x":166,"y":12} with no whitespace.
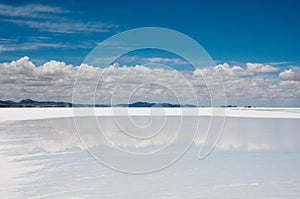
{"x":254,"y":157}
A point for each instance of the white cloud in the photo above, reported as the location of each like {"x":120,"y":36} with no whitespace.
{"x":64,"y":26}
{"x":144,"y":60}
{"x":54,"y":81}
{"x":253,"y":89}
{"x":228,"y":71}
{"x":166,"y":60}
{"x":225,"y":69}
{"x":30,"y":46}
{"x":261,"y":68}
{"x":30,"y":10}
{"x":34,"y":43}
{"x":292,"y":74}
{"x":50,"y":19}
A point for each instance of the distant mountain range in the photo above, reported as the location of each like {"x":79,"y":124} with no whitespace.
{"x":33,"y":103}
{"x":147,"y":104}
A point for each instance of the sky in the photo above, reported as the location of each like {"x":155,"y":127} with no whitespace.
{"x":234,"y":33}
{"x":256,"y":31}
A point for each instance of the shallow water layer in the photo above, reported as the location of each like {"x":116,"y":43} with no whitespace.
{"x":57,"y":158}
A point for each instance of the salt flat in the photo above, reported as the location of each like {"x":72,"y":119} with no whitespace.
{"x":257,"y":154}
{"x":9,"y":114}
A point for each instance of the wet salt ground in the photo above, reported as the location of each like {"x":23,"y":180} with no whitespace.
{"x":254,"y":158}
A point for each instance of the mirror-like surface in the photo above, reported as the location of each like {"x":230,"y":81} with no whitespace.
{"x":46,"y":159}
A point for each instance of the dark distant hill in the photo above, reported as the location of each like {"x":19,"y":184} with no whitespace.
{"x":33,"y":103}
{"x":147,"y":104}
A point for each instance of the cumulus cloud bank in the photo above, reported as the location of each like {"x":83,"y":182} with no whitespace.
{"x":54,"y":80}
{"x":292,"y":74}
{"x":261,"y":68}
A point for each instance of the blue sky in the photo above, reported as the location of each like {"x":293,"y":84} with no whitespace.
{"x":255,"y":45}
{"x":231,"y":31}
